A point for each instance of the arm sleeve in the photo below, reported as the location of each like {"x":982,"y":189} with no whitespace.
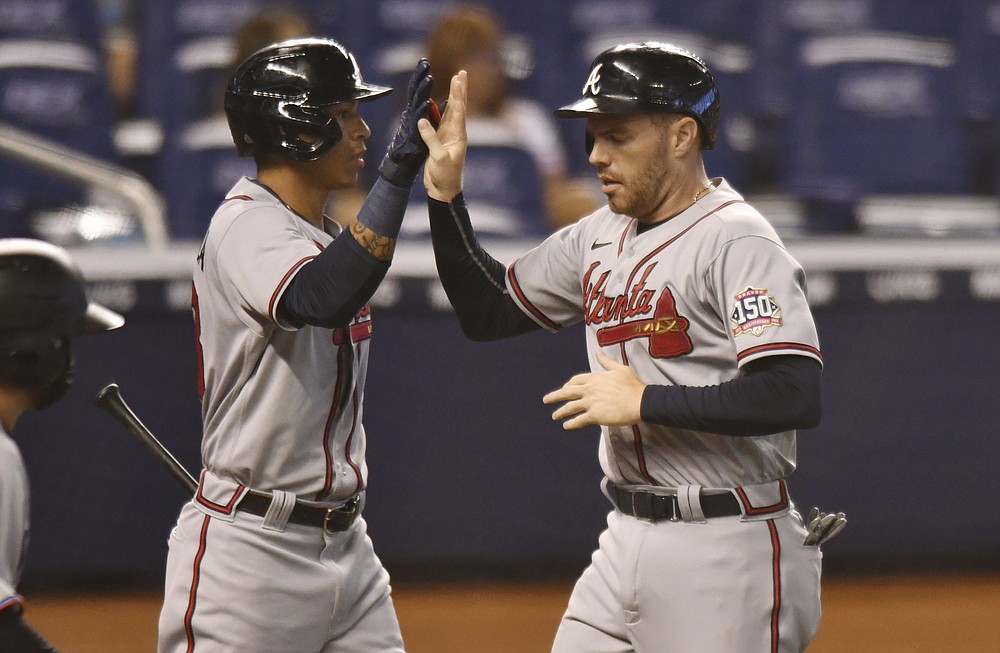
{"x":330,"y":289}
{"x":472,"y":279}
{"x":19,"y":637}
{"x":772,"y":394}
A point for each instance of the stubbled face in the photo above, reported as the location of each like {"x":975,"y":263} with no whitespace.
{"x":339,"y":168}
{"x":630,"y":154}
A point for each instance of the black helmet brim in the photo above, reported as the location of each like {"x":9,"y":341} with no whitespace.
{"x":100,"y":318}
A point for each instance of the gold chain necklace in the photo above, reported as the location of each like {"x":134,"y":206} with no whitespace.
{"x":701,"y":193}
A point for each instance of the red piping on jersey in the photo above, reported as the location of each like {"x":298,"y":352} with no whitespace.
{"x":541,"y":317}
{"x":199,"y":353}
{"x":245,"y":198}
{"x":284,"y":280}
{"x":347,"y":446}
{"x":337,"y":392}
{"x":621,"y":239}
{"x":776,"y":579}
{"x":226,"y":509}
{"x":659,"y":249}
{"x":195,"y":579}
{"x":751,"y":510}
{"x":772,"y":346}
{"x":636,"y":433}
{"x":640,"y":454}
{"x":14,"y":600}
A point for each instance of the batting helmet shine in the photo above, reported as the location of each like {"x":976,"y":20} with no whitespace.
{"x":284,"y":88}
{"x":43,"y":303}
{"x":650,"y":77}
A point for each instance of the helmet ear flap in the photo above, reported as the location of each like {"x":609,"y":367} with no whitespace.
{"x":242,"y":140}
{"x":34,"y":364}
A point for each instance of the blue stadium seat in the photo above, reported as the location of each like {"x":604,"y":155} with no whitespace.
{"x":67,"y":20}
{"x":186,"y":49}
{"x":197,"y":169}
{"x":782,"y":28}
{"x":57,"y":90}
{"x":503,"y":191}
{"x":978,"y":54}
{"x":875,"y":113}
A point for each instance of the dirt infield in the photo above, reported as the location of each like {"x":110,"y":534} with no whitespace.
{"x":860,"y":615}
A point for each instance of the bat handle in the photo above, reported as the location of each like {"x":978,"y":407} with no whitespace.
{"x":110,"y":399}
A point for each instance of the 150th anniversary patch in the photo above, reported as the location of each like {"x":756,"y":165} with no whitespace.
{"x":753,"y":311}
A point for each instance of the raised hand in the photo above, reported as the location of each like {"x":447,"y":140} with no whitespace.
{"x":612,"y":397}
{"x":447,"y":145}
{"x":406,"y":151}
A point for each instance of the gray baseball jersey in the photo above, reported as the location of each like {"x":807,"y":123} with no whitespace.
{"x":282,"y":407}
{"x":686,"y":302}
{"x":14,"y":506}
{"x":282,"y":411}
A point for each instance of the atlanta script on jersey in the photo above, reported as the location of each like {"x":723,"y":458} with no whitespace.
{"x":684,"y":303}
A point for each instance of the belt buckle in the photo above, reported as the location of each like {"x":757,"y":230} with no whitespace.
{"x":675,"y":515}
{"x":350,"y":509}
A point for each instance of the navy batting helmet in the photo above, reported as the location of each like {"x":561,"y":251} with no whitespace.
{"x":285,"y":87}
{"x":43,"y":303}
{"x":650,"y":77}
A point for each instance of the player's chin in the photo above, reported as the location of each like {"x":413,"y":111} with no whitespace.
{"x":619,"y":204}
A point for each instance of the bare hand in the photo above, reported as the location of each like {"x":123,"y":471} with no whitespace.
{"x":612,"y":397}
{"x":443,"y":168}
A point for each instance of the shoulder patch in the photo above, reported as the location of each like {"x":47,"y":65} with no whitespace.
{"x":753,"y":311}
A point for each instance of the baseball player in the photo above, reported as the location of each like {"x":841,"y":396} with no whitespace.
{"x":43,"y":304}
{"x":704,"y":360}
{"x":271,"y":554}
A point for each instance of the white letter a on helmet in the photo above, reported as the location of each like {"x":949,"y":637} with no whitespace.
{"x":593,"y":84}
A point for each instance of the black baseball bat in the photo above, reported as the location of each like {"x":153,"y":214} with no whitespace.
{"x":110,"y":399}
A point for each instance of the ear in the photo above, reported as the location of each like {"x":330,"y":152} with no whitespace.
{"x":686,"y":135}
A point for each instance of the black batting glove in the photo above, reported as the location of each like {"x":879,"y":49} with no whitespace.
{"x":407,"y":151}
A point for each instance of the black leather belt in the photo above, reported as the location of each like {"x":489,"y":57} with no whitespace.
{"x":332,"y":520}
{"x":657,"y":507}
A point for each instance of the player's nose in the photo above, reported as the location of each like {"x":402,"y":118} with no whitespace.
{"x":597,"y":154}
{"x":363,"y":130}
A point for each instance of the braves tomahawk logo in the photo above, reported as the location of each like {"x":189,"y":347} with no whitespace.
{"x":633,"y":315}
{"x":753,"y":311}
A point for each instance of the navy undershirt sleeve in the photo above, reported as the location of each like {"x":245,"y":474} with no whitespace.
{"x":330,"y":290}
{"x":472,"y":279}
{"x":770,"y":395}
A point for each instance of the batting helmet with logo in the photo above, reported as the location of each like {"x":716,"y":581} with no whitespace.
{"x":43,"y":303}
{"x":650,"y":77}
{"x":284,"y":88}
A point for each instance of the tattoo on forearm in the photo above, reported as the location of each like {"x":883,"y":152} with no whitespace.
{"x":381,"y":247}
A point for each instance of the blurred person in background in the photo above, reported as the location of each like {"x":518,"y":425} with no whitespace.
{"x":471,"y":39}
{"x":43,"y":305}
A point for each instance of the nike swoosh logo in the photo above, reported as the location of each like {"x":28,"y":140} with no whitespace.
{"x":596,"y":245}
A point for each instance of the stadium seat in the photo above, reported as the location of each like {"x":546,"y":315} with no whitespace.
{"x":978,"y":54}
{"x":186,"y":49}
{"x":875,"y":113}
{"x":198,"y":167}
{"x":67,"y":20}
{"x":57,"y":90}
{"x":503,"y":191}
{"x":782,"y":28}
